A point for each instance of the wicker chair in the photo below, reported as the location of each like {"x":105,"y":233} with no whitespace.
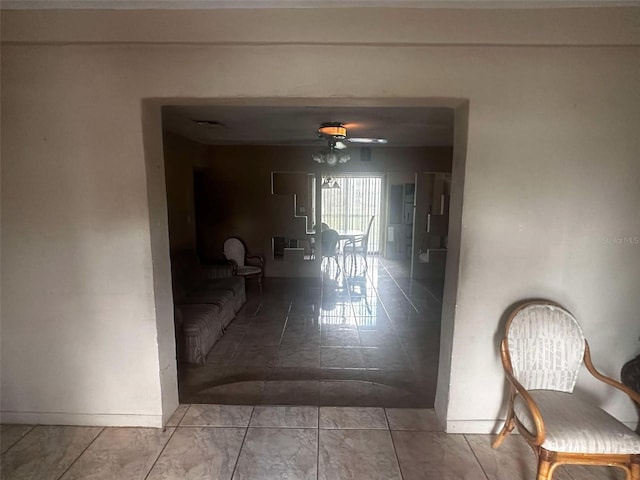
{"x":542,"y":352}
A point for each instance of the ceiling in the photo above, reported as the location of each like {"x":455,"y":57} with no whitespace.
{"x":213,"y":4}
{"x":298,"y":126}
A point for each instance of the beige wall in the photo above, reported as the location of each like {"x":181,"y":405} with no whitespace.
{"x":551,"y":176}
{"x":241,"y":190}
{"x":297,"y":184}
{"x":181,"y":156}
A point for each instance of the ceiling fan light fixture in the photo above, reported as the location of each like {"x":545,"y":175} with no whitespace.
{"x":334,"y":130}
{"x":331,"y":157}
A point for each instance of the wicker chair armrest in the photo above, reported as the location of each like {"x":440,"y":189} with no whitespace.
{"x":539,"y":435}
{"x":609,"y":381}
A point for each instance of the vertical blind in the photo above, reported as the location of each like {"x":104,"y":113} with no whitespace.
{"x":351,"y":206}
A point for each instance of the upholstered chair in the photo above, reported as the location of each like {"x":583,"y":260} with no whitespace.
{"x":542,"y":352}
{"x":236,"y":252}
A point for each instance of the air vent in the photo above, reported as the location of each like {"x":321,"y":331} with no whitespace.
{"x":209,"y":123}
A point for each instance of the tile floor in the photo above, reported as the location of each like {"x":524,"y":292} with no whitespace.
{"x":365,"y":342}
{"x":222,"y":442}
{"x":370,"y":339}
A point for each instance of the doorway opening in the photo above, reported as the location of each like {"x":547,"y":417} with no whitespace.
{"x":362,"y":354}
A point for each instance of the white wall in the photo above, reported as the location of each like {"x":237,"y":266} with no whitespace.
{"x":551,"y":170}
{"x":79,"y":326}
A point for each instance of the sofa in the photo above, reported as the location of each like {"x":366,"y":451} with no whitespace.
{"x":206,"y":299}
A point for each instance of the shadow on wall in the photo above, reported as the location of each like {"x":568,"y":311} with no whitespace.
{"x":630,"y":376}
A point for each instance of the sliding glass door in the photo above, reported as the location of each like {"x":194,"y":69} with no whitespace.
{"x":349,"y":202}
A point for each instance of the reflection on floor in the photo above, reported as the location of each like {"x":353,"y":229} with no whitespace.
{"x":236,"y":442}
{"x":365,"y":339}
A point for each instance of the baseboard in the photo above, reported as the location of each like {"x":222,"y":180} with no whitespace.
{"x":474,"y":426}
{"x":81,"y":419}
{"x":492,"y":426}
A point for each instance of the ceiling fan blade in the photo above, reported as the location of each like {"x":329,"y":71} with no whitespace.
{"x":366,"y":140}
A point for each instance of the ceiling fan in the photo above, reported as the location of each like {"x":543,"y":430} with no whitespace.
{"x":336,"y":135}
{"x":337,"y":132}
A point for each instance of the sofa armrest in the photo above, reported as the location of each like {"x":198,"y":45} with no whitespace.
{"x":214,"y":272}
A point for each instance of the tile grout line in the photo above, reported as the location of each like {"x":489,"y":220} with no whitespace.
{"x":277,"y":355}
{"x":255,"y":314}
{"x":400,"y":288}
{"x":392,"y":323}
{"x":81,"y":453}
{"x":244,"y":438}
{"x":393,"y":443}
{"x":21,"y":437}
{"x":221,"y":427}
{"x":368,"y":369}
{"x":183,"y":415}
{"x":164,"y":447}
{"x":175,"y":429}
{"x":284,"y":327}
{"x":402,"y":342}
{"x":357,"y":326}
{"x":352,"y":308}
{"x":476,"y":457}
{"x":318,"y":448}
{"x":411,"y":280}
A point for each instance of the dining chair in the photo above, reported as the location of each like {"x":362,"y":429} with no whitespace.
{"x":236,"y":252}
{"x":542,"y":351}
{"x":359,"y":245}
{"x":329,"y":243}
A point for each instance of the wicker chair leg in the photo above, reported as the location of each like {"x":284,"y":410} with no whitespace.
{"x":635,"y":469}
{"x":509,"y":425}
{"x":546,"y":464}
{"x":544,"y":470}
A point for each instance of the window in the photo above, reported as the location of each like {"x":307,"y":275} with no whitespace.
{"x":348,"y":202}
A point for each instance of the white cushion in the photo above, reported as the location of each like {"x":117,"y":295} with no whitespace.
{"x":574,"y":426}
{"x":248,"y":270}
{"x":546,"y":346}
